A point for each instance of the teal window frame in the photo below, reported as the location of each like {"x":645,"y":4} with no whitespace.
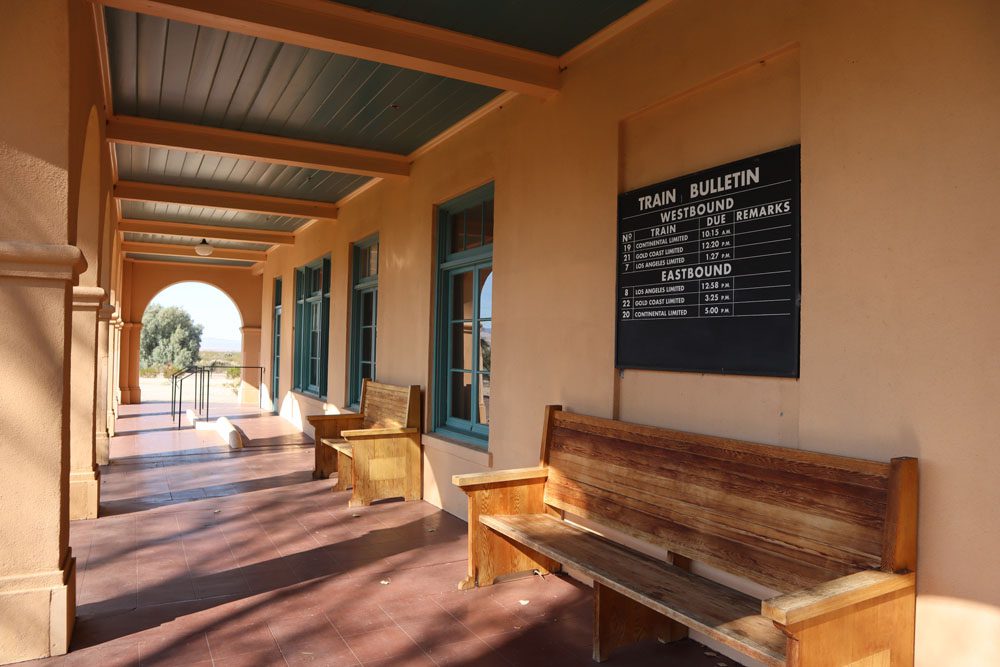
{"x":312,"y":327}
{"x":364,"y":285}
{"x":450,"y":264}
{"x":276,"y":345}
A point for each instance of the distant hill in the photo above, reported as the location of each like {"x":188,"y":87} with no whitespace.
{"x":209,"y":344}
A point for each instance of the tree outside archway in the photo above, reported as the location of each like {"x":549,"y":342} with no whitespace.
{"x":170,"y":338}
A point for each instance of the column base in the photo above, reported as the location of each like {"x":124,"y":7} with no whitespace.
{"x":84,"y":494}
{"x":39,"y":611}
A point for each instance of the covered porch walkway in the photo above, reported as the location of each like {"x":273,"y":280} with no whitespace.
{"x":204,"y":556}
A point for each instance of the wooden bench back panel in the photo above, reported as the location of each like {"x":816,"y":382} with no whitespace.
{"x":390,"y":406}
{"x":785,"y":518}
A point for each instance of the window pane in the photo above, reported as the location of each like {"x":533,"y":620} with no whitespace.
{"x":367,"y":346}
{"x":317,"y":280}
{"x":461,"y":345}
{"x":488,"y":222}
{"x":461,"y":305}
{"x":461,"y":396}
{"x":373,"y":260}
{"x":457,"y":241}
{"x":362,"y":262}
{"x":474,"y":227}
{"x":485,"y":292}
{"x":367,"y":309}
{"x":367,"y":372}
{"x":485,"y":346}
{"x":484,"y":399}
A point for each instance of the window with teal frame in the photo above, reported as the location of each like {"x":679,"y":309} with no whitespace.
{"x":364,"y":315}
{"x":312,"y":326}
{"x":464,"y":324}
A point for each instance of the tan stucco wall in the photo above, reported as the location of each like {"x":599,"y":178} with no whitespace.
{"x":895,"y":106}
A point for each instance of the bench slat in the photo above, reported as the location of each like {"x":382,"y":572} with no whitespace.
{"x":862,"y":472}
{"x":703,"y":500}
{"x":720,"y":612}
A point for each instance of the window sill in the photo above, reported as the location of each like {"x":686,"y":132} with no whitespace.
{"x":457,"y":448}
{"x":306,"y":394}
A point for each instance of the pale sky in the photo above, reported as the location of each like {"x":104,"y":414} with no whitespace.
{"x":209,"y":307}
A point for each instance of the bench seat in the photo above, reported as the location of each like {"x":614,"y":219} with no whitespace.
{"x":723,"y":614}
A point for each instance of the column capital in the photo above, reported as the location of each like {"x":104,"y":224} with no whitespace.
{"x":131,"y":325}
{"x":22,"y":259}
{"x":87,"y":298}
{"x":250,"y":329}
{"x":106,"y":313}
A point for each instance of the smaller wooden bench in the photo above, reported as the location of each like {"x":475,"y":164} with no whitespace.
{"x":835,"y":536}
{"x":375,"y":452}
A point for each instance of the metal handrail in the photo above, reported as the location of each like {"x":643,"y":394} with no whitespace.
{"x":202,"y":384}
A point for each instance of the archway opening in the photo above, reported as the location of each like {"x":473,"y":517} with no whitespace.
{"x":191,"y":324}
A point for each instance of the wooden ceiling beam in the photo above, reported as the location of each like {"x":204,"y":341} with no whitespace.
{"x":206,"y":231}
{"x":350,"y":31}
{"x":188,"y":251}
{"x":236,"y":201}
{"x":253,"y":146}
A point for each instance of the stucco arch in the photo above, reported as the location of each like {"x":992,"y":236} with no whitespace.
{"x":142,"y":280}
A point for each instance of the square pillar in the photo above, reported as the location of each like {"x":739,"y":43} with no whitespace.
{"x":103,"y":413}
{"x":84,"y":475}
{"x":37,"y":569}
{"x":250,"y":354}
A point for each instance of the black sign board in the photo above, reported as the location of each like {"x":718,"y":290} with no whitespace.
{"x":708,"y":270}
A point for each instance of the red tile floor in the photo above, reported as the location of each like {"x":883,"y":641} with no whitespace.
{"x":204,"y":556}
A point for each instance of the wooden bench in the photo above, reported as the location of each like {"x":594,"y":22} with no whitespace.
{"x":376,"y":452}
{"x":835,"y":536}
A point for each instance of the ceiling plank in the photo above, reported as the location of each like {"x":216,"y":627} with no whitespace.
{"x":252,"y":146}
{"x":350,"y":31}
{"x":206,"y":231}
{"x":237,"y":201}
{"x":188,"y":251}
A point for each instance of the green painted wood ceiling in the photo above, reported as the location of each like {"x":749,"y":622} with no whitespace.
{"x":175,"y":71}
{"x":548,"y":26}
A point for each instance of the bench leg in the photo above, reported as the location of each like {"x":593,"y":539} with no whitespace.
{"x":345,"y":472}
{"x":491,"y":555}
{"x":325,"y":461}
{"x":620,"y":620}
{"x":876,"y":633}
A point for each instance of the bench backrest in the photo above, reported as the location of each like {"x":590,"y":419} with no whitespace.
{"x":390,"y":406}
{"x":785,"y":518}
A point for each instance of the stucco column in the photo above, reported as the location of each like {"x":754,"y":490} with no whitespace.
{"x":37,"y":570}
{"x":103,"y":411}
{"x":84,"y":475}
{"x":132,"y":350}
{"x":115,"y":395}
{"x":125,"y":361}
{"x":250,"y":353}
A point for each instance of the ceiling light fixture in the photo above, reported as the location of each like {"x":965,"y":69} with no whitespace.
{"x":203,"y":248}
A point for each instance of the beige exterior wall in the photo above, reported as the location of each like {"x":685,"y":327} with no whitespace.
{"x":895,"y":107}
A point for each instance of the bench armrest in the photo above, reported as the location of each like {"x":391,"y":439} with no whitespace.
{"x":835,"y":595}
{"x":313,"y":419}
{"x":512,"y":475}
{"x":362,"y":433}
